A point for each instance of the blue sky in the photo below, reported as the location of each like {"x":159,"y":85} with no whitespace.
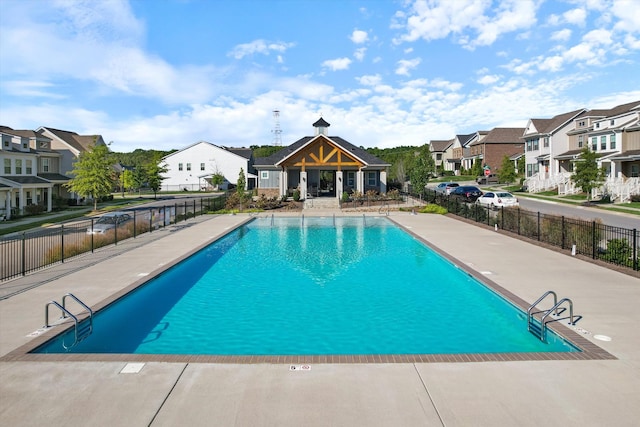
{"x":165,"y":74}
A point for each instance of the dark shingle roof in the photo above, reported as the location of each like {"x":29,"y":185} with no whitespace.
{"x":26,"y":179}
{"x":242,"y":152}
{"x":321,"y":123}
{"x":440,"y":145}
{"x":503,"y":136}
{"x":79,"y":142}
{"x":360,"y":153}
{"x":54,"y":177}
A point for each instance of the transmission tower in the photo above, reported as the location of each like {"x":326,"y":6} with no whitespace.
{"x":277,"y":132}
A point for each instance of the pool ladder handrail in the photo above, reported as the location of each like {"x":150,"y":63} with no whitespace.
{"x":79,"y":333}
{"x":382,"y":208}
{"x":541,"y":331}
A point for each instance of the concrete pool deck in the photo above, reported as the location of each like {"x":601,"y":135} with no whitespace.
{"x":500,"y":393}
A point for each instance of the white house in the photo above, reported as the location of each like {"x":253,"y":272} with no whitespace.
{"x":193,"y":167}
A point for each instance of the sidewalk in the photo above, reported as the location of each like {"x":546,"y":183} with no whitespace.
{"x":502,"y":393}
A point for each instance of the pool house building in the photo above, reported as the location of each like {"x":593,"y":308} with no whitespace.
{"x":320,"y":166}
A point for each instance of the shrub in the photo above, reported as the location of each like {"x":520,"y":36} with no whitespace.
{"x":394,"y":194}
{"x":33,"y":209}
{"x":296,"y":195}
{"x":433,"y":209}
{"x":619,"y":252}
{"x":345,"y":196}
{"x":635,"y":197}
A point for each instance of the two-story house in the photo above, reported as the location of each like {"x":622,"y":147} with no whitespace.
{"x":459,"y":150}
{"x":491,"y":148}
{"x":69,"y":145}
{"x":193,"y":167}
{"x":475,"y":153}
{"x":544,"y":140}
{"x":439,"y":152}
{"x":24,"y":181}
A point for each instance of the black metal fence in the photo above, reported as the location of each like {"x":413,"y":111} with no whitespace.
{"x":32,"y":250}
{"x":616,"y":245}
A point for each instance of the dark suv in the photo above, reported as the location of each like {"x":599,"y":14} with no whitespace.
{"x":467,"y":193}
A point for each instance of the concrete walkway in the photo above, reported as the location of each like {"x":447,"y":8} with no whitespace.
{"x":566,"y":393}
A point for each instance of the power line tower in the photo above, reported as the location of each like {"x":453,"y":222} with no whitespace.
{"x":277,"y":132}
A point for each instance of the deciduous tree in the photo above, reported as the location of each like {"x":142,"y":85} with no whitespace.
{"x":586,"y":174}
{"x":93,"y":174}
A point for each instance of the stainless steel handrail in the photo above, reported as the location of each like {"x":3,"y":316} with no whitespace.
{"x":555,"y":307}
{"x":66,"y":313}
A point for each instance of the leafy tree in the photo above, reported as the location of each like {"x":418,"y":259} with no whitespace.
{"x":264,"y":150}
{"x":476,"y":168}
{"x":587,"y":175}
{"x":127,"y":180}
{"x":521,"y":166}
{"x":153,"y":173}
{"x":93,"y":174}
{"x":423,"y":167}
{"x":241,"y":183}
{"x":507,"y":172}
{"x":217,"y":179}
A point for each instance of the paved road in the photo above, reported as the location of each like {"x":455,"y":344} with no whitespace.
{"x":608,"y":218}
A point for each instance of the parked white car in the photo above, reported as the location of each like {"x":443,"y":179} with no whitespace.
{"x":109,"y":221}
{"x":498,"y":199}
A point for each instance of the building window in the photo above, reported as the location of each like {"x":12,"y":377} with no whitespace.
{"x":580,"y":141}
{"x":598,"y":125}
{"x":603,"y":142}
{"x":6,"y":143}
{"x":612,"y":141}
{"x":29,"y":167}
{"x":351,"y":179}
{"x":612,"y":122}
{"x":581,"y":123}
{"x":44,"y":144}
{"x":439,"y":156}
{"x":188,"y":166}
{"x":371,"y":179}
{"x":635,"y":171}
{"x":45,"y":165}
{"x":264,"y":174}
{"x":25,"y":145}
{"x":18,"y":166}
{"x":7,"y":166}
{"x":201,"y":166}
{"x":29,"y":198}
{"x":179,"y":166}
{"x":594,"y":143}
{"x":546,"y":141}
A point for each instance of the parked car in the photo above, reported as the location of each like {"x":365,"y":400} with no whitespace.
{"x":109,"y":221}
{"x":498,"y":199}
{"x":468,"y":193}
{"x":491,"y":179}
{"x":446,"y":187}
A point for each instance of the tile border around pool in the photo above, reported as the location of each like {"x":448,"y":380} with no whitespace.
{"x":589,"y":350}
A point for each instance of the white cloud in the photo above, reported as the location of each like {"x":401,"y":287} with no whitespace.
{"x":561,"y":35}
{"x":575,"y":17}
{"x":369,"y":80}
{"x":260,"y":46}
{"x":359,"y":36}
{"x":337,"y":64}
{"x":628,"y":13}
{"x":488,"y":79}
{"x":359,"y":53}
{"x":431,"y":20}
{"x":406,"y":65}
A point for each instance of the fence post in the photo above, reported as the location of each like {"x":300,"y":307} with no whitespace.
{"x":518,"y":221}
{"x":150,"y":220}
{"x":538,"y":226}
{"x":92,"y":245}
{"x":62,"y":242}
{"x":115,"y":233}
{"x":134,"y":224}
{"x":502,"y":225}
{"x":194,"y":207}
{"x":593,"y":237}
{"x":185,"y":210}
{"x":176,"y":211}
{"x":563,"y":233}
{"x":24,"y":254}
{"x":635,"y":249}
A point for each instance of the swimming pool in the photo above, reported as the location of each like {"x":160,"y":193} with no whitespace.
{"x":312,"y":286}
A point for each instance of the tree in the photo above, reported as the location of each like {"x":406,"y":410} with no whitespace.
{"x":587,"y":175}
{"x":521,"y":166}
{"x":241,"y":183}
{"x":217,"y":179}
{"x":153,"y":172}
{"x":423,"y":167}
{"x":507,"y":172}
{"x":93,"y":174}
{"x":476,"y":168}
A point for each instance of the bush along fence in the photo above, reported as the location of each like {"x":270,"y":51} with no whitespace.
{"x":36,"y":249}
{"x":615,"y":245}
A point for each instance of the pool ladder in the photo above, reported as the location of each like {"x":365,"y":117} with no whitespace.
{"x":539,"y":327}
{"x":81,"y":329}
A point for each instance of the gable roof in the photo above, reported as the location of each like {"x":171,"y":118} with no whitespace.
{"x":245,"y":153}
{"x":440,"y":145}
{"x":503,"y":136}
{"x":549,"y":126}
{"x":79,"y":142}
{"x":279,"y":156}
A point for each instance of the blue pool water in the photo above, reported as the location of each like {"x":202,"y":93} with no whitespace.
{"x":281,"y":287}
